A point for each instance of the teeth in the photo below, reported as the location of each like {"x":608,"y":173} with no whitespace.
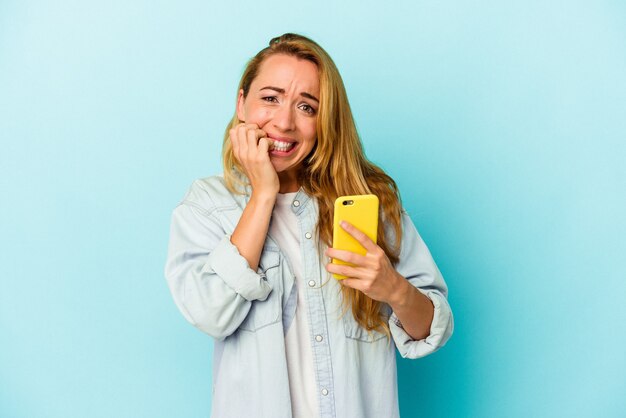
{"x":283,"y":146}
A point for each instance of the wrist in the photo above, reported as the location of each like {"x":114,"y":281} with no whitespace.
{"x":263,"y":197}
{"x":401,"y":293}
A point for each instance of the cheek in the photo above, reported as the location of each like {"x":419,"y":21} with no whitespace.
{"x":260,"y":116}
{"x":307,"y":128}
{"x":311,"y":134}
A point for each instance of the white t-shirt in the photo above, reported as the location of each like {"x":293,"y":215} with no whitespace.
{"x":285,"y":230}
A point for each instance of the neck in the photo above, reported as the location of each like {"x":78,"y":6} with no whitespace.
{"x":288,"y":183}
{"x":289,"y":188}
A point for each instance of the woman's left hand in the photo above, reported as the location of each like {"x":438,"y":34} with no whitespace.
{"x":372,"y":273}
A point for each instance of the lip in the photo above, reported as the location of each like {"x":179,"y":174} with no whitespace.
{"x":277,"y":153}
{"x":281,"y":138}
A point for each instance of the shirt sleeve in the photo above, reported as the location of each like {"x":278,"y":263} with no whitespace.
{"x":418,"y":267}
{"x":211,"y":283}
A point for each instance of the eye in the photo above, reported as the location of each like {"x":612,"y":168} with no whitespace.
{"x":307,"y":108}
{"x":270,"y":99}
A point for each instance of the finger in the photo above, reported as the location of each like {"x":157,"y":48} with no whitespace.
{"x":344,"y":270}
{"x":264,"y":144}
{"x":353,"y":283}
{"x":253,"y":144}
{"x":360,"y":236}
{"x":249,"y":126}
{"x":260,"y":133}
{"x":242,"y":142}
{"x":253,"y":135}
{"x":234,"y":142}
{"x":347,"y":256}
{"x":244,"y":126}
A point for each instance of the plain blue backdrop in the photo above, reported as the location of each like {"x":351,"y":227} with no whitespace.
{"x":502,"y":122}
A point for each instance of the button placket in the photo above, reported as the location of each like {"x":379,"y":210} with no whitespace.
{"x":317,"y":312}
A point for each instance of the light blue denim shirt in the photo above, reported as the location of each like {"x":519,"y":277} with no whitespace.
{"x":248,"y":312}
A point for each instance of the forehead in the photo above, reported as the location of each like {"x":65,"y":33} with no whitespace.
{"x":287,"y":71}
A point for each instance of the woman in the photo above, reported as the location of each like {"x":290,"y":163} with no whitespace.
{"x":248,"y":260}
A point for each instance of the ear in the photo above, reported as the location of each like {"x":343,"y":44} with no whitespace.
{"x":240,"y":112}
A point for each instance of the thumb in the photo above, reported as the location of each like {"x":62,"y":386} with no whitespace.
{"x":265,"y":144}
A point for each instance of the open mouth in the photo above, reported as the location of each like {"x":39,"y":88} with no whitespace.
{"x":282,"y":147}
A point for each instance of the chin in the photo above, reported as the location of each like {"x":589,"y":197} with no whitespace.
{"x":279,"y":167}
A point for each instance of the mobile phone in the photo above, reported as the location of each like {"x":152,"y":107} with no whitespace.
{"x":360,"y":211}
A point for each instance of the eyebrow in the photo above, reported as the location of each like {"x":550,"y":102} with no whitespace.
{"x":282,"y":91}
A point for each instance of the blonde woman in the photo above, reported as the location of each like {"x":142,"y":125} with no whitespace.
{"x":249,"y":251}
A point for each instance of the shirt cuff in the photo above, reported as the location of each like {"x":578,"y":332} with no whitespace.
{"x":440,"y":329}
{"x":225,"y":261}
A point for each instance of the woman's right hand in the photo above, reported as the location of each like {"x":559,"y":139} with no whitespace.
{"x":251,"y":149}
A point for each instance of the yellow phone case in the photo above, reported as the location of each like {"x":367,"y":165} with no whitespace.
{"x":362,"y":212}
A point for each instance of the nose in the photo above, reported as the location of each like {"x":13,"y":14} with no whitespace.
{"x":284,"y":118}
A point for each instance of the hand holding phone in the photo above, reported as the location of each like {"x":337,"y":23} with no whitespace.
{"x":360,"y":211}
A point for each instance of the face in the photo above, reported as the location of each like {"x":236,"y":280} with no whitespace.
{"x":283,"y":101}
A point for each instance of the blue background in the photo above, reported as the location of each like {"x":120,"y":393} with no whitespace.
{"x":503,"y":123}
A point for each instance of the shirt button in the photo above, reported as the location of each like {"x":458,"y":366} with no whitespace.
{"x":311,"y":283}
{"x":296,"y":203}
{"x":324,"y":391}
{"x":318,"y":338}
{"x":308,"y":235}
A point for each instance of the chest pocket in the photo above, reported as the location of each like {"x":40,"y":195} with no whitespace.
{"x":355,"y":331}
{"x":266,"y":312}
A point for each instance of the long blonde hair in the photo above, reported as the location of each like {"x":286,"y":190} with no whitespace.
{"x":336,"y":166}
